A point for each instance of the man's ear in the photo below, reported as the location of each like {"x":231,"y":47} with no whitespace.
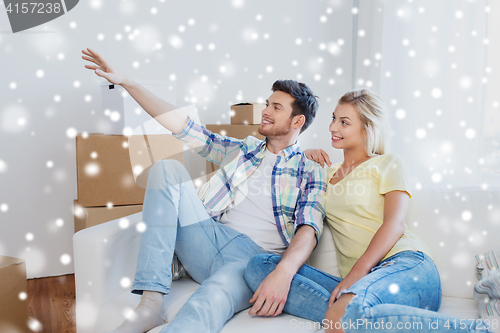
{"x":298,"y":121}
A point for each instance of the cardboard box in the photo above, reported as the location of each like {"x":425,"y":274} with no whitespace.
{"x":145,"y":150}
{"x":86,"y":217}
{"x":235,"y":131}
{"x":108,"y":166}
{"x":211,"y":169}
{"x":13,"y":295}
{"x":247,"y":113}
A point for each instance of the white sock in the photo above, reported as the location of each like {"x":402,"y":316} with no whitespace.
{"x":146,"y":316}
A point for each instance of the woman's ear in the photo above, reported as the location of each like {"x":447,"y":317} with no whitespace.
{"x":367,"y":131}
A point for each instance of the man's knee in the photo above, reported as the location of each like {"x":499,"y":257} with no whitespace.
{"x":257,"y":270}
{"x":170,"y":168}
{"x":168,"y":164}
{"x":223,"y":288}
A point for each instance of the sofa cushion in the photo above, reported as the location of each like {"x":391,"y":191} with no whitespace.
{"x":324,"y":256}
{"x":113,"y":313}
{"x":243,"y":323}
{"x":465,"y":308}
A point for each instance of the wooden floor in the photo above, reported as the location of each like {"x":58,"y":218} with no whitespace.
{"x":51,"y":301}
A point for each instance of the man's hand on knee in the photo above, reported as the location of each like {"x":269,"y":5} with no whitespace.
{"x":271,"y":296}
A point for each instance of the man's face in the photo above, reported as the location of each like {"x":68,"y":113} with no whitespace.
{"x":276,"y":117}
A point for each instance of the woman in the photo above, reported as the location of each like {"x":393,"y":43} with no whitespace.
{"x":389,"y":281}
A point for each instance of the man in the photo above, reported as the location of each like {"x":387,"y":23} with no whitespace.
{"x":216,"y":231}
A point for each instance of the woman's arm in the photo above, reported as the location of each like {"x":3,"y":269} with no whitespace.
{"x":395,"y":209}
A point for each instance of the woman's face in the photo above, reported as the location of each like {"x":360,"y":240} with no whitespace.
{"x":346,"y":128}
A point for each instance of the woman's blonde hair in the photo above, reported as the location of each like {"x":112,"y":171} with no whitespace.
{"x":373,"y":115}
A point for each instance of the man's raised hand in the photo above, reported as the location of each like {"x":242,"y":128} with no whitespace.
{"x":102,"y":68}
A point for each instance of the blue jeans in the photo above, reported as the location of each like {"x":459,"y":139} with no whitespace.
{"x":400,"y":294}
{"x":214,"y":255}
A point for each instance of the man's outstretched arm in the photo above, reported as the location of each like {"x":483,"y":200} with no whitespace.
{"x":271,"y":296}
{"x":211,"y":146}
{"x":166,"y":114}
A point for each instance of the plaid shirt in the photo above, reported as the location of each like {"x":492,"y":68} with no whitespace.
{"x":298,"y":184}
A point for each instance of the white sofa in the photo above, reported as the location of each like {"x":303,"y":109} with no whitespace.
{"x":456,"y":224}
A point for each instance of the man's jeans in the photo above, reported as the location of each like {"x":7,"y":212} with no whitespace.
{"x":214,"y":255}
{"x":400,"y":294}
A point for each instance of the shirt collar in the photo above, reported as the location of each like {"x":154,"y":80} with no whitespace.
{"x":288,"y":152}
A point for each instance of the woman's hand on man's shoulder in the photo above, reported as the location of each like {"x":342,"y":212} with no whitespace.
{"x":318,"y":156}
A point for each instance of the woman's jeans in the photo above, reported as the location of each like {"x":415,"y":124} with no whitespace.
{"x":214,"y":255}
{"x":400,"y":294}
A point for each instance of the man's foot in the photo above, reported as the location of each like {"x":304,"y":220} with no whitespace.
{"x":146,"y":316}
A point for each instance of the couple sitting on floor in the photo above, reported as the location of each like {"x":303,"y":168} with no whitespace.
{"x":247,"y":233}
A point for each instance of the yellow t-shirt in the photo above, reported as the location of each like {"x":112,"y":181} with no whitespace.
{"x":355,"y":208}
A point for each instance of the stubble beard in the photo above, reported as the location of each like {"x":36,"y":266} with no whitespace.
{"x":275,"y":131}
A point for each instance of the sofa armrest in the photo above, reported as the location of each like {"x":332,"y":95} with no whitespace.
{"x":105,"y":256}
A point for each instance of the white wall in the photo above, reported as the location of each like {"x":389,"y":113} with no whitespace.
{"x":33,"y":125}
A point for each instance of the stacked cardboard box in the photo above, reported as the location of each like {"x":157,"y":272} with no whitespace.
{"x":112,"y":173}
{"x":247,"y":113}
{"x":13,"y":295}
{"x":245,"y":121}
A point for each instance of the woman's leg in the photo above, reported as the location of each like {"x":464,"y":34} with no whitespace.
{"x":310,"y":289}
{"x":401,"y":294}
